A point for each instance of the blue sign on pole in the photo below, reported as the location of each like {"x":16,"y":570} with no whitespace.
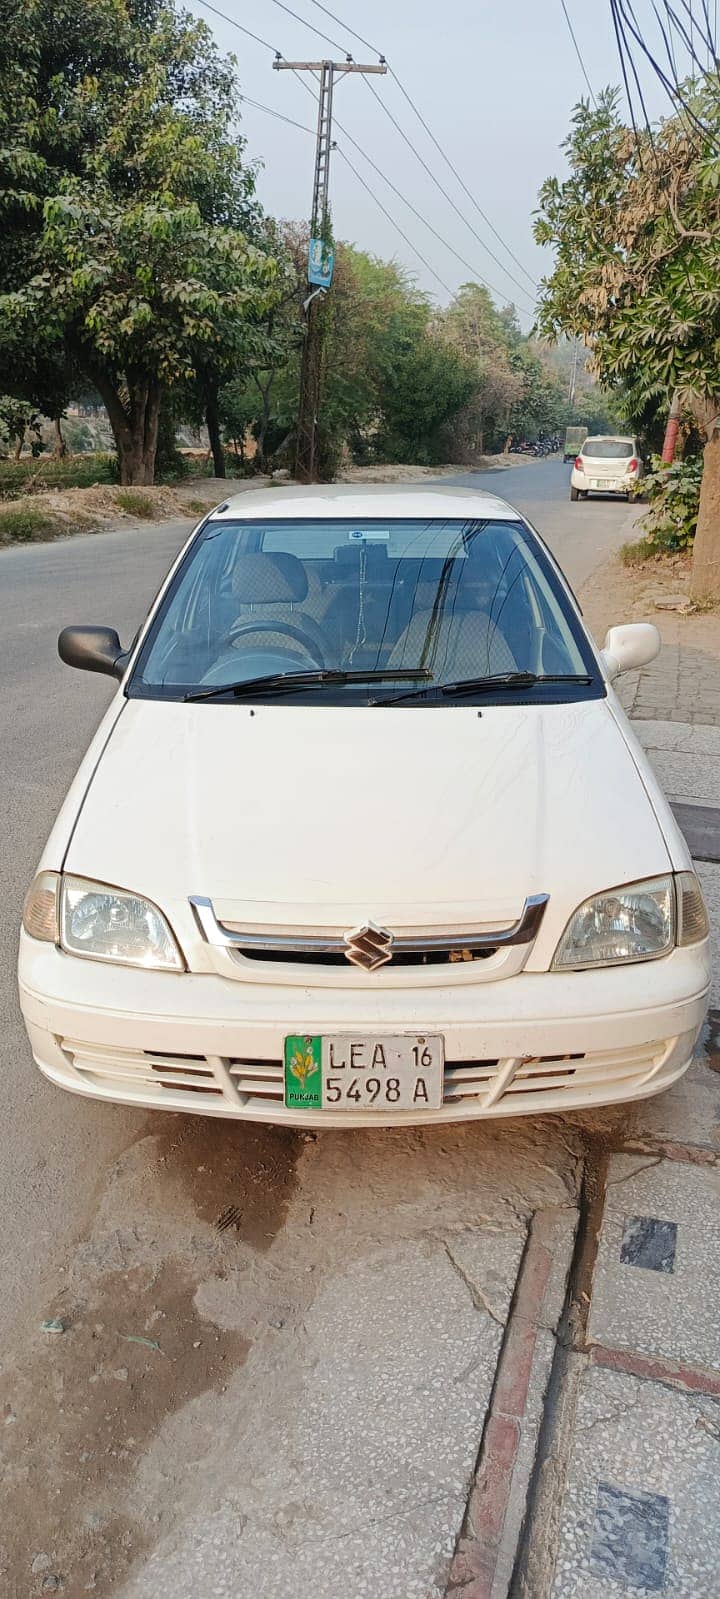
{"x":321,"y":260}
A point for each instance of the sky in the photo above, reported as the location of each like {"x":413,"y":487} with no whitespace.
{"x":496,"y":81}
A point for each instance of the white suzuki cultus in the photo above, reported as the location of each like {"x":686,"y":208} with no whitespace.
{"x":364,"y":835}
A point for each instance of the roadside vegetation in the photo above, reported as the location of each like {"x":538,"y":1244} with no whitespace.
{"x":635,"y":230}
{"x":138,"y":273}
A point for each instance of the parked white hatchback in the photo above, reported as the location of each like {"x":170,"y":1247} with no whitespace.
{"x":606,"y":466}
{"x":364,"y":835}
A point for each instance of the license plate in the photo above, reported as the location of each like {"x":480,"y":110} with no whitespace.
{"x":609,"y":484}
{"x":361,"y":1072}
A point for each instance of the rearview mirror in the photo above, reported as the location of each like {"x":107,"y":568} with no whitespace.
{"x":93,"y":649}
{"x":628,"y":647}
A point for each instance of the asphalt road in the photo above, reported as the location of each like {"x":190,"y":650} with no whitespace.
{"x":56,"y":1148}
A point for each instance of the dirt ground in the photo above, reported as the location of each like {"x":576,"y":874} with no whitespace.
{"x":656,"y":591}
{"x":101,"y":508}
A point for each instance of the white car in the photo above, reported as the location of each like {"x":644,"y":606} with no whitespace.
{"x":606,"y":466}
{"x":364,"y":835}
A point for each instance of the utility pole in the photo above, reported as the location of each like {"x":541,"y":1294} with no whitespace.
{"x":320,"y":256}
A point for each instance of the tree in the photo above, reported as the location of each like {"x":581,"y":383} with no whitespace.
{"x":636,"y":230}
{"x":483,"y":336}
{"x":17,"y":418}
{"x":132,"y":214}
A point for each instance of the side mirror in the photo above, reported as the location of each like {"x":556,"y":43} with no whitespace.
{"x":93,"y":649}
{"x":628,"y":647}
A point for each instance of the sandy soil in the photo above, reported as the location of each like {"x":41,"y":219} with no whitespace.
{"x":656,"y":591}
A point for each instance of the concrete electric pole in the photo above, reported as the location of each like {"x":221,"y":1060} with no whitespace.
{"x":320,"y":256}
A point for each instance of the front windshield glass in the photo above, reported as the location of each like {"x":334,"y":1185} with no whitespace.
{"x":608,"y":449}
{"x":450,"y":600}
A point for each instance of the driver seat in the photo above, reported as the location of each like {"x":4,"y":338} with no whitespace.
{"x":271,"y":588}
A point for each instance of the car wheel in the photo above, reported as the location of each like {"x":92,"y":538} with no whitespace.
{"x":574,"y":494}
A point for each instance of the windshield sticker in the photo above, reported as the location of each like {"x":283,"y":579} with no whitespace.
{"x":379,"y":535}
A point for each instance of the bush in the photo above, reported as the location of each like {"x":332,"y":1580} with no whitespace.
{"x":26,"y":476}
{"x":21,"y":524}
{"x":674,"y":496}
{"x":135,"y":503}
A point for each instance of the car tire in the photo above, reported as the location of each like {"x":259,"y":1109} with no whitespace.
{"x":574,"y":494}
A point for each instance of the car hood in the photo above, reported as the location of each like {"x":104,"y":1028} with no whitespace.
{"x":325,"y":816}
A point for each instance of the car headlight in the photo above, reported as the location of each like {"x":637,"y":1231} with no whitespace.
{"x":108,"y":924}
{"x":638,"y":922}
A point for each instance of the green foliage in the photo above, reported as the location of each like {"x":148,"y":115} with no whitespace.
{"x":673,"y":493}
{"x":635,"y":230}
{"x":515,"y":389}
{"x":22,"y":524}
{"x":135,"y":503}
{"x":18,"y":419}
{"x":128,"y":208}
{"x":73,"y":472}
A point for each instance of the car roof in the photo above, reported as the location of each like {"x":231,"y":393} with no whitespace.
{"x":364,"y":500}
{"x":610,"y":438}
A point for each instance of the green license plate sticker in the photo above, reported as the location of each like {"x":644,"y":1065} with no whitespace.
{"x":303,"y":1072}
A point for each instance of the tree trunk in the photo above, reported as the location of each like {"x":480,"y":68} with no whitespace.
{"x":60,"y":447}
{"x":705,"y":581}
{"x":20,"y":440}
{"x":134,"y":425}
{"x":212,"y":418}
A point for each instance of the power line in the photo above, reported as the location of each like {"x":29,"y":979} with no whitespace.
{"x":306,"y":24}
{"x":462,"y":183}
{"x":419,"y":215}
{"x":342,"y":24}
{"x":442,"y":189}
{"x":571,"y":31}
{"x":466,"y":191}
{"x":396,"y":225}
{"x":503,"y":268}
{"x":240,"y":26}
{"x":271,"y":112}
{"x":280,"y":117}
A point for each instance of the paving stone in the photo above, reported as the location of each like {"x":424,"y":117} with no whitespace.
{"x":641,"y":1504}
{"x":686,"y":775}
{"x":675,"y":1314}
{"x":686,"y":737}
{"x":630,"y":1537}
{"x":648,"y":1243}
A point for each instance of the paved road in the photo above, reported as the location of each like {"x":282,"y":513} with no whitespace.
{"x":58,"y":1147}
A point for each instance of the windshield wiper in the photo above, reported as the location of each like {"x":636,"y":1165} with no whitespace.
{"x":485,"y":685}
{"x":287,"y":682}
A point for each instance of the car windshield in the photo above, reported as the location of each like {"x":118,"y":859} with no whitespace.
{"x":608,"y":449}
{"x":441,"y":601}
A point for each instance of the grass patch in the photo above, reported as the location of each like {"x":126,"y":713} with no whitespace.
{"x":32,"y":474}
{"x":197,"y":507}
{"x":641,"y":551}
{"x":23,"y":524}
{"x":136,"y":503}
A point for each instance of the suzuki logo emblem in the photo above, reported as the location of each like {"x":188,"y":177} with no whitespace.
{"x":369,"y":946}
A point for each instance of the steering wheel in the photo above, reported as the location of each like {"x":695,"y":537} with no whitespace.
{"x":306,"y":642}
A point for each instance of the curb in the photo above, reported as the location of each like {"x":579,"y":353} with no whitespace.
{"x":484,"y":1559}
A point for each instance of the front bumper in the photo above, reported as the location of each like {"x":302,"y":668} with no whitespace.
{"x":198,"y":1042}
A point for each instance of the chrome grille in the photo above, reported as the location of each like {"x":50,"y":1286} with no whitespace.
{"x":368,"y":946}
